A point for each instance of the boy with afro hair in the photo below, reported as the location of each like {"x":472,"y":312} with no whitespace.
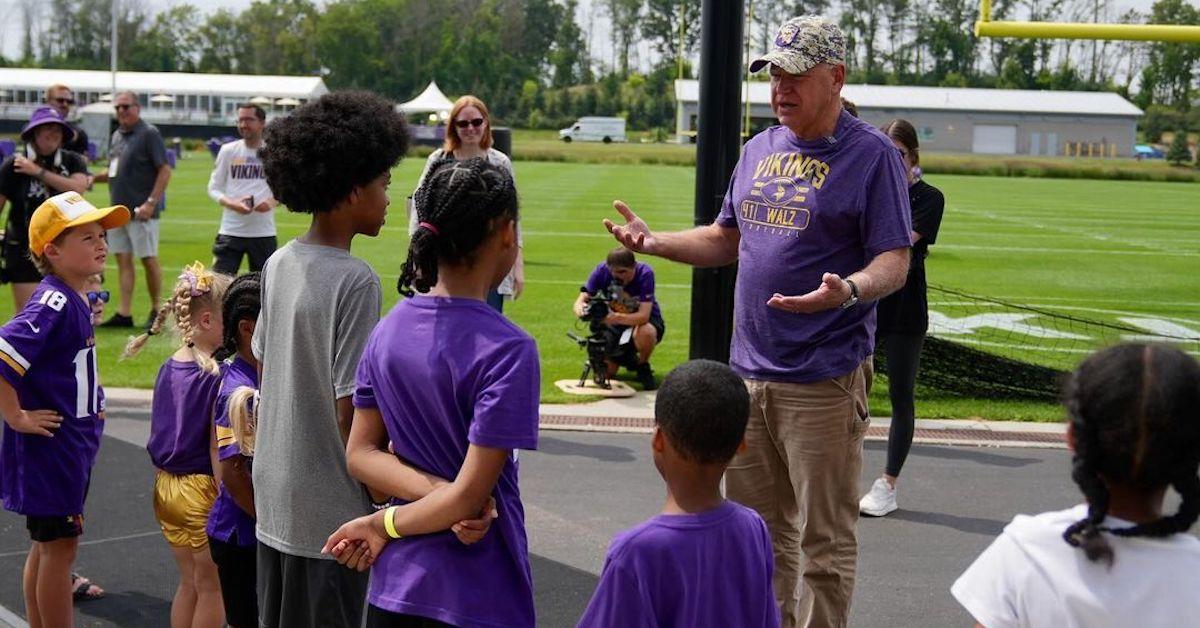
{"x":332,"y":159}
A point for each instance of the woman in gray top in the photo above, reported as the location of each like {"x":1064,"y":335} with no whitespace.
{"x":469,"y":135}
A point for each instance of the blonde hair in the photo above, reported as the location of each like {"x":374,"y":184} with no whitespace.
{"x":243,"y":418}
{"x":54,"y":88}
{"x":42,"y":264}
{"x":453,"y":141}
{"x":196,"y":290}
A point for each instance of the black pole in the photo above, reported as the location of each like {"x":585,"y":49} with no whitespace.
{"x":718,"y":143}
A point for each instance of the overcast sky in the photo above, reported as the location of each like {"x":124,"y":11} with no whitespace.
{"x":10,"y":23}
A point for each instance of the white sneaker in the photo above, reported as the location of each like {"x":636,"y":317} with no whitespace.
{"x":880,"y":500}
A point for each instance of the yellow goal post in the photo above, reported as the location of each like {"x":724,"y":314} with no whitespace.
{"x":1175,"y":33}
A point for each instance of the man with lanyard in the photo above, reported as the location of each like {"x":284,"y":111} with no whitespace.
{"x":239,"y":186}
{"x":137,"y":175}
{"x":816,"y":207}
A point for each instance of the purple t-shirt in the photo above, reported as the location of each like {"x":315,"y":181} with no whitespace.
{"x":181,"y":418}
{"x":226,"y":521}
{"x":805,"y":208}
{"x":446,"y":373}
{"x":48,"y":355}
{"x":640,"y":288}
{"x":688,"y":571}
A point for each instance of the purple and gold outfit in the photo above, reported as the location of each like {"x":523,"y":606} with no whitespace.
{"x":180,"y":424}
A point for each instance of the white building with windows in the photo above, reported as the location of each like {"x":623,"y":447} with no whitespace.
{"x":970,"y":120}
{"x":180,"y":104}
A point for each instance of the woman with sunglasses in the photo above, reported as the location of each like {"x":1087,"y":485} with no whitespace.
{"x":469,"y":135}
{"x":41,"y":169}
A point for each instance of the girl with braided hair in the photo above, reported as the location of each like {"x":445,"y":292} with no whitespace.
{"x":1134,"y":412}
{"x":231,"y":538}
{"x":182,"y":445}
{"x":454,"y":386}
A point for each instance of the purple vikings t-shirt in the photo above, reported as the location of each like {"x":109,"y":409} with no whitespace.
{"x":181,"y":418}
{"x":446,"y":373}
{"x":640,"y":288}
{"x":805,"y":208}
{"x":226,"y":521}
{"x":48,"y":355}
{"x":688,"y":571}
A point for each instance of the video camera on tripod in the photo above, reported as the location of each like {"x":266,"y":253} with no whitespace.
{"x":601,"y":341}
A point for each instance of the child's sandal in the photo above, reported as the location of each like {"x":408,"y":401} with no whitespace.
{"x":84,"y":589}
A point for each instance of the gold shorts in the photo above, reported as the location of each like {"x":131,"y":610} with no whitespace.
{"x":181,"y":505}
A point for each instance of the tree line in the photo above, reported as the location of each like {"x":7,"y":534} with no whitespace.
{"x":532,"y":60}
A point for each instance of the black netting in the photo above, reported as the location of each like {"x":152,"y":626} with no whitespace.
{"x":988,"y":348}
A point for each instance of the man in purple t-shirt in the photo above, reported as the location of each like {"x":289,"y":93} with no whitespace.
{"x":816,"y":207}
{"x":634,"y":319}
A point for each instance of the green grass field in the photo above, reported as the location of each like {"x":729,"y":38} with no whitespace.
{"x":1098,"y":249}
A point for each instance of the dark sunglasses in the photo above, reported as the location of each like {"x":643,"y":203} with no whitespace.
{"x":65,"y":101}
{"x":123,"y":107}
{"x":462,"y":124}
{"x":101,"y":296}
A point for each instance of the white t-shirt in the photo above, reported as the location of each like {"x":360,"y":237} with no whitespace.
{"x":237,"y":174}
{"x":1030,"y":576}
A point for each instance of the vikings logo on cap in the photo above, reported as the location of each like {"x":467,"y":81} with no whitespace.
{"x":787,"y":35}
{"x":803,"y":43}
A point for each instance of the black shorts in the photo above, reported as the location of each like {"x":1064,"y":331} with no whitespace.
{"x":659,"y":326}
{"x":18,"y":268}
{"x":299,"y":592}
{"x":47,"y":529}
{"x":236,"y":568}
{"x":228,"y":252}
{"x":379,"y":618}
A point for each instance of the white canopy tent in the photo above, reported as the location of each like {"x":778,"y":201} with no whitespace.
{"x":432,"y":100}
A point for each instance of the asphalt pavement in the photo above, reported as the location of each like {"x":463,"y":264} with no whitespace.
{"x":579,"y":489}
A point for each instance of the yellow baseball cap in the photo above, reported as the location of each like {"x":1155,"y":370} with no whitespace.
{"x":66,"y":210}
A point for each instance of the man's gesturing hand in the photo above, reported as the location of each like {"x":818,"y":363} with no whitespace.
{"x":832,"y":292}
{"x":634,"y":234}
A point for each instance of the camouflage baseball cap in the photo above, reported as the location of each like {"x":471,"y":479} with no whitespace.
{"x":802,"y":43}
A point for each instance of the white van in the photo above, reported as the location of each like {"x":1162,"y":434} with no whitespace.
{"x":595,"y":129}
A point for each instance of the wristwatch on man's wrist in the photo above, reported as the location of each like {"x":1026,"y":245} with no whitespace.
{"x":853,"y":298}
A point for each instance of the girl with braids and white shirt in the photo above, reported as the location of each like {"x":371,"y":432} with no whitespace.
{"x":1134,"y":413}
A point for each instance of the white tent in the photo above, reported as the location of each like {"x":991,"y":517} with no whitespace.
{"x":432,"y":100}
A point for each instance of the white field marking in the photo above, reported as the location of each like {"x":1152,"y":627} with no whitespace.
{"x":1026,"y":347}
{"x":1176,"y":319}
{"x":1157,"y":326}
{"x":1019,"y":298}
{"x":958,"y":231}
{"x":1028,"y":221}
{"x":10,"y":619}
{"x":1067,"y":251}
{"x":124,"y":537}
{"x":942,"y":325}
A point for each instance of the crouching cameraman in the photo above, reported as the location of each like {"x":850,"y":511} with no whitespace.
{"x":634,"y":321}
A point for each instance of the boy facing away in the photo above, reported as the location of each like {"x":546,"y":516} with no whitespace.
{"x":704,"y":561}
{"x":331,"y":159}
{"x":50,"y":398}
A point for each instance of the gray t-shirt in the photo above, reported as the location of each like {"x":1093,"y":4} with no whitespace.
{"x":319,"y":305}
{"x":139,"y":154}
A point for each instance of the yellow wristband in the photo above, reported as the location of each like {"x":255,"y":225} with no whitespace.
{"x":389,"y":525}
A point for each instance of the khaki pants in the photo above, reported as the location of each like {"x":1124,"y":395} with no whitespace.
{"x":800,"y":472}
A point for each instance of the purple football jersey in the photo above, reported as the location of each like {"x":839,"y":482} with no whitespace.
{"x":181,"y":418}
{"x":227,"y":522}
{"x":48,"y":354}
{"x":688,"y":571}
{"x":447,"y":373}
